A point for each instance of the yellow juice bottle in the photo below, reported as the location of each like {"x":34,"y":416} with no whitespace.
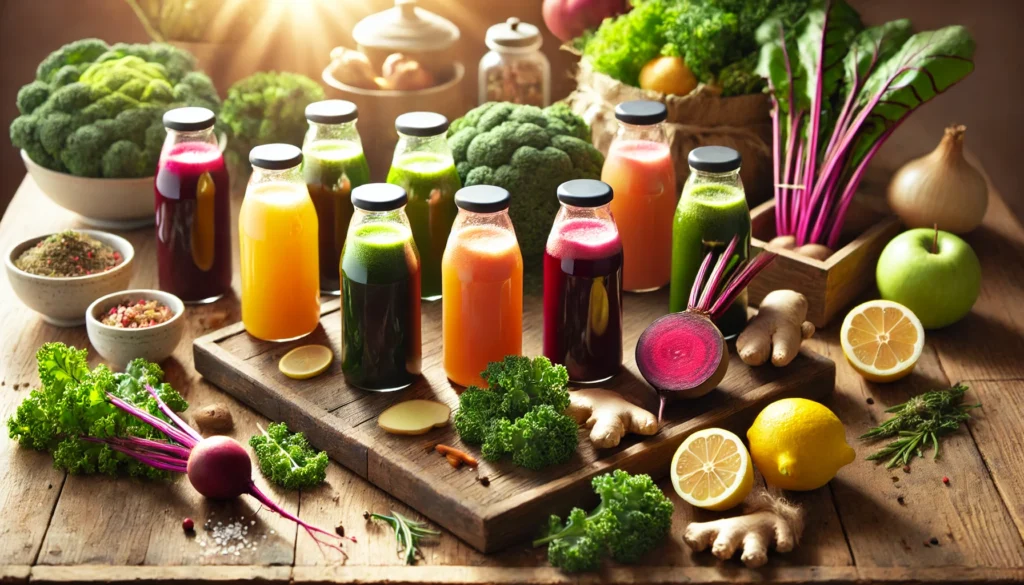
{"x":278,"y":245}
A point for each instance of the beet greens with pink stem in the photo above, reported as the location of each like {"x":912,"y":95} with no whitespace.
{"x":838,"y":92}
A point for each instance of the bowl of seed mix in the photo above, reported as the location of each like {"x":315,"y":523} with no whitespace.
{"x":59,"y":275}
{"x":133,"y":324}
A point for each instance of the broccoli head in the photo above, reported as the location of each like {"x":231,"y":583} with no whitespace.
{"x":96,"y":110}
{"x":265,"y":107}
{"x":529,"y":151}
{"x":632,"y":519}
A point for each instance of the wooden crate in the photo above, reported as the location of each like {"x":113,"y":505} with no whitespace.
{"x":829,"y":285}
{"x":342,"y":420}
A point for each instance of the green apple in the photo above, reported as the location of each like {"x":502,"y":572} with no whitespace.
{"x":933,"y":273}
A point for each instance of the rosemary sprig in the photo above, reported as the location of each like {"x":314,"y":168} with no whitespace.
{"x":408,"y":533}
{"x":920,"y":422}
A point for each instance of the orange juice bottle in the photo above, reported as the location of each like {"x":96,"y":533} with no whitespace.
{"x":277,"y":229}
{"x":640,"y":171}
{"x":482,"y":284}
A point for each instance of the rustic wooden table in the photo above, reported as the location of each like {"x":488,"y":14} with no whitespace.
{"x":868,"y":525}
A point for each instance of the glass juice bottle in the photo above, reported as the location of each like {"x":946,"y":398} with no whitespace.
{"x":583,"y":284}
{"x":712,"y":209}
{"x":333,"y":164}
{"x":482,"y":304}
{"x":640,"y":171}
{"x":277,"y":229}
{"x":380,"y":292}
{"x":193,"y":209}
{"x":424,"y":167}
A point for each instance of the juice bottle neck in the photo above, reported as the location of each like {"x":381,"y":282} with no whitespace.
{"x":262,"y":176}
{"x":601,"y":213}
{"x":652,"y":133}
{"x":175,"y":137}
{"x":468,"y":219}
{"x":730,"y":183}
{"x":346,"y":132}
{"x":361,"y":217}
{"x":436,"y":145}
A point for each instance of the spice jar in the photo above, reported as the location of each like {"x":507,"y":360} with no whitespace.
{"x":514,"y":70}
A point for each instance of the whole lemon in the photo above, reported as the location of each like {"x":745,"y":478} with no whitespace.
{"x":798,"y":444}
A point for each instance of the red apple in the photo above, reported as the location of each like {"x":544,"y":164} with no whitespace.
{"x":567,"y":19}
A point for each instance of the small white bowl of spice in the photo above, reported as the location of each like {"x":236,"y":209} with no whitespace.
{"x":133,"y":324}
{"x":59,"y":275}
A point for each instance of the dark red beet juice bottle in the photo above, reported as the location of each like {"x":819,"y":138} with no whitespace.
{"x":583,"y":284}
{"x":193,"y":209}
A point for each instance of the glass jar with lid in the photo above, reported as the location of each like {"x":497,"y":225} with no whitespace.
{"x":514,"y":70}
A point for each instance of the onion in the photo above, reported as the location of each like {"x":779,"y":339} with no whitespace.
{"x":940,"y":188}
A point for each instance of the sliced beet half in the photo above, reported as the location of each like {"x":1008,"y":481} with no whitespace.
{"x":682,"y":355}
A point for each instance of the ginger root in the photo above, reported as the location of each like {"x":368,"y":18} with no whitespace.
{"x":766,"y":518}
{"x":776,"y":331}
{"x":609,"y":416}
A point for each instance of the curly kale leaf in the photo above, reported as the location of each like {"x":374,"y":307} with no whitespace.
{"x":633,"y":518}
{"x":538,"y":439}
{"x":288,"y":460}
{"x":72,"y":403}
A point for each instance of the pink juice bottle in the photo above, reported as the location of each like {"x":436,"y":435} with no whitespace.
{"x":583,"y":284}
{"x":193,"y":209}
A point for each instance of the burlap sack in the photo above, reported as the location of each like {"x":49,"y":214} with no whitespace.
{"x":701,"y":118}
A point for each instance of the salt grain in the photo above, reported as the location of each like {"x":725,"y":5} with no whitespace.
{"x":230,"y":537}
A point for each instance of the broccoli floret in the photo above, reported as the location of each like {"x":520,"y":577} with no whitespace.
{"x":73,"y":54}
{"x":267,"y":107}
{"x":95,"y":110}
{"x":529,"y":151}
{"x":632,"y":519}
{"x":541,"y":437}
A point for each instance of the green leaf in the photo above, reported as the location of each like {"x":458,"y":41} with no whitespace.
{"x":871,"y":47}
{"x":926,"y":65}
{"x":288,"y":460}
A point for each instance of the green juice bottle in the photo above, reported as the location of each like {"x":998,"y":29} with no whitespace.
{"x":712,"y":209}
{"x":333,"y":165}
{"x":380,"y":293}
{"x":424,"y":167}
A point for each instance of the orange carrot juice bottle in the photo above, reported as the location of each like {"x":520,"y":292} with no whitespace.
{"x":482,"y":284}
{"x":277,"y":229}
{"x":640,"y":171}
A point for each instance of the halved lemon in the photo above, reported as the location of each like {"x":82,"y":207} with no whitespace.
{"x":712,"y":470}
{"x":306,"y":361}
{"x":882,"y":340}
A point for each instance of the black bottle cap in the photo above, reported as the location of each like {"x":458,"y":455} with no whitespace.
{"x":421,"y":124}
{"x":331,"y":112}
{"x":379,"y":197}
{"x":482,"y":199}
{"x":585,"y":193}
{"x":641,"y":112}
{"x":275,"y":157}
{"x":191,"y":119}
{"x":714,"y":159}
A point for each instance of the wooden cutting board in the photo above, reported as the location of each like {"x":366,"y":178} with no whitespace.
{"x":342,"y":421}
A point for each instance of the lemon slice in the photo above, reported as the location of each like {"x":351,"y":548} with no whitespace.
{"x":305,"y":362}
{"x":712,"y":470}
{"x":882,"y":340}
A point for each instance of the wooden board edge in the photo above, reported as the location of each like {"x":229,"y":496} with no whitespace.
{"x":815,"y":383}
{"x":389,"y":471}
{"x":212,"y":362}
{"x":14,"y":574}
{"x":464,"y":575}
{"x":724,"y":574}
{"x":178,"y":574}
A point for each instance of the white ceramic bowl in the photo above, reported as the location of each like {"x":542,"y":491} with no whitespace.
{"x":104,"y":203}
{"x":62,"y":301}
{"x":118,"y":346}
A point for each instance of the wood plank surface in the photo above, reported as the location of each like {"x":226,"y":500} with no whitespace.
{"x":342,"y":420}
{"x":856,"y":525}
